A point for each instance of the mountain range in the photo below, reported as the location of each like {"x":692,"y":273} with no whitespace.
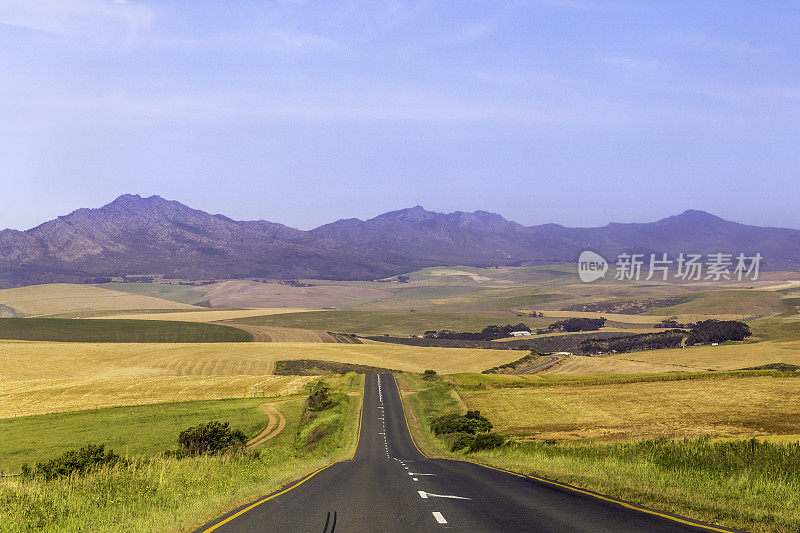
{"x":152,"y":236}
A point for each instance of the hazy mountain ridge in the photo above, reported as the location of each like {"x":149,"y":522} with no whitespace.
{"x":135,"y":235}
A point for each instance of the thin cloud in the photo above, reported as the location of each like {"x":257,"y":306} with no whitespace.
{"x":69,"y":17}
{"x":574,"y":5}
{"x":270,"y":40}
{"x":631,"y":63}
{"x":702,"y":41}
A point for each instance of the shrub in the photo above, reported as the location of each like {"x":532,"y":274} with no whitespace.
{"x":453,"y":423}
{"x":486,"y":441}
{"x":459,"y":441}
{"x":211,"y":438}
{"x":315,"y":435}
{"x":84,"y":460}
{"x":319,"y":398}
{"x":429,"y":373}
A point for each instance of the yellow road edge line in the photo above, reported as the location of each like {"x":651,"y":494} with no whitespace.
{"x":360,"y":419}
{"x":284,"y":491}
{"x":622,"y":503}
{"x":259,"y":502}
{"x":627,"y":505}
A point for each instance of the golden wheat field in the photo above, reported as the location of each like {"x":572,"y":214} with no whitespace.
{"x":37,"y":360}
{"x":723,"y":407}
{"x":208,"y":316}
{"x":39,"y":396}
{"x":65,"y":298}
{"x":50,"y":376}
{"x":281,"y":334}
{"x":725,"y":357}
{"x":579,"y":365}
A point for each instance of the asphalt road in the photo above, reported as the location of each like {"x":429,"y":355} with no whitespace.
{"x":552,"y":360}
{"x":390,"y":486}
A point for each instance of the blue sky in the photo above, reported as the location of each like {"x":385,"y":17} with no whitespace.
{"x":578,"y":112}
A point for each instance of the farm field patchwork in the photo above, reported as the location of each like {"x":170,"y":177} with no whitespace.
{"x":383,"y":322}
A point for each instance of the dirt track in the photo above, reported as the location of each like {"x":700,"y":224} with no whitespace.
{"x":275,"y":425}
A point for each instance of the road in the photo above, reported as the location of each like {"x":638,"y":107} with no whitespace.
{"x":550,"y":361}
{"x":390,"y":486}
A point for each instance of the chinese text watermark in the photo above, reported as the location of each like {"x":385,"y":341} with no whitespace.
{"x":664,"y":267}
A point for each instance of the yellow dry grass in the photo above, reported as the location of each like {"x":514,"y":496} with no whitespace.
{"x":717,"y":407}
{"x":577,"y":365}
{"x":39,"y":396}
{"x":726,"y":357}
{"x":209,"y":316}
{"x":65,"y":298}
{"x":280,"y":334}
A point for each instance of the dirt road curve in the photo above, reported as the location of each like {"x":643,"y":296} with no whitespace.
{"x":276,"y":424}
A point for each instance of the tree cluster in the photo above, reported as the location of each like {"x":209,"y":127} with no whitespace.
{"x":571,"y":325}
{"x":673,"y":324}
{"x":718,"y":331}
{"x":489,"y":333}
{"x":634,"y":343}
{"x":704,"y":332}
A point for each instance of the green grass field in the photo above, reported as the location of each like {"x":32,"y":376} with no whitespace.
{"x":89,"y":330}
{"x":144,"y":430}
{"x":391,"y":322}
{"x":725,"y":302}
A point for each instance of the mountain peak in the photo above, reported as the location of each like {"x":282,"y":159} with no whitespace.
{"x":135,"y":199}
{"x":415,"y":214}
{"x":693,"y":218}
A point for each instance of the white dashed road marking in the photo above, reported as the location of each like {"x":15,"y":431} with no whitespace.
{"x":425,"y":495}
{"x":439,"y":518}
